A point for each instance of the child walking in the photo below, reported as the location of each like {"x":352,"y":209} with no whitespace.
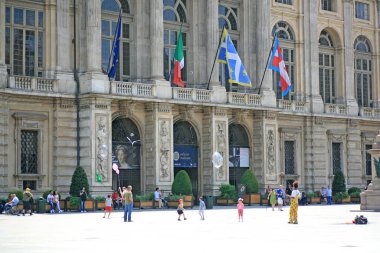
{"x":240,"y":207}
{"x":202,"y":208}
{"x":293,"y":213}
{"x":180,"y":210}
{"x":272,"y":198}
{"x":108,"y":208}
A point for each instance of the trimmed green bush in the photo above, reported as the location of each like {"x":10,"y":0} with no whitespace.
{"x":182,"y":184}
{"x":74,"y":202}
{"x":78,"y":181}
{"x":310,"y":194}
{"x":146,"y":197}
{"x":339,"y":184}
{"x":354,"y":194}
{"x":100,"y":198}
{"x":250,"y":181}
{"x":227,"y":191}
{"x":18,"y":194}
{"x":353,"y":189}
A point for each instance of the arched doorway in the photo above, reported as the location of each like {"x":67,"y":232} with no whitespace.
{"x":186,"y":152}
{"x":238,"y":152}
{"x":126,"y":153}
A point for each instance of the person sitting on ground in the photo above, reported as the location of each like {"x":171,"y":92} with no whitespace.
{"x":27,"y":196}
{"x":158,"y":197}
{"x":50,"y":200}
{"x":12,"y":203}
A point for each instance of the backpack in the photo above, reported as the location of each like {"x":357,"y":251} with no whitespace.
{"x":360,"y":220}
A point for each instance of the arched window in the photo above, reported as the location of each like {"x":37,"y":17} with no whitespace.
{"x":110,"y":15}
{"x":24,"y":39}
{"x":326,"y":67}
{"x":285,"y":36}
{"x":175,"y":15}
{"x":228,"y":17}
{"x":363,"y":72}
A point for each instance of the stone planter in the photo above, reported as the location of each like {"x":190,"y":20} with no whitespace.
{"x":225,"y":202}
{"x":251,"y":199}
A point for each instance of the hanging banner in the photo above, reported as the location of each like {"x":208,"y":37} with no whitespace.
{"x":185,"y":157}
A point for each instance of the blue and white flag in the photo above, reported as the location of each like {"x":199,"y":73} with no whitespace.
{"x":228,"y":55}
{"x":114,"y":59}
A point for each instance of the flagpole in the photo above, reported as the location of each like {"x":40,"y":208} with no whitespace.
{"x":113,"y":45}
{"x":216,"y":54}
{"x":266,"y":66}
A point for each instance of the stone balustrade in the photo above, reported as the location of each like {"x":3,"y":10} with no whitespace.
{"x":244,"y":99}
{"x":32,"y":83}
{"x":291,"y":105}
{"x":336,"y":109}
{"x":197,"y":95}
{"x":133,"y":89}
{"x":369,"y":112}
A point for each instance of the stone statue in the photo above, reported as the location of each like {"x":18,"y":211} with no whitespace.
{"x":270,"y":153}
{"x":102,"y":149}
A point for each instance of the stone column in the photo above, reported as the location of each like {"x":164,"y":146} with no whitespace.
{"x":89,"y":37}
{"x":3,"y":67}
{"x":213,"y":36}
{"x":353,"y":108}
{"x":156,"y":29}
{"x":311,"y":64}
{"x":263,"y":46}
{"x":64,"y":35}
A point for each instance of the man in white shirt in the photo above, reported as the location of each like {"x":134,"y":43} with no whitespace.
{"x":157,"y":197}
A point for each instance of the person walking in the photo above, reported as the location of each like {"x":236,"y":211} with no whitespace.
{"x":108,"y":203}
{"x":27,"y":196}
{"x":83,"y":198}
{"x":293,"y":212}
{"x":328,"y":195}
{"x":280,"y":196}
{"x":240,"y":207}
{"x":202,"y":207}
{"x":272,"y":198}
{"x":128,"y":200}
{"x":181,"y":210}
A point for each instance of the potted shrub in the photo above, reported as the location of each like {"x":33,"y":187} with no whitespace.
{"x":173,"y":200}
{"x":227,"y":196}
{"x":251,"y":187}
{"x":144,"y":201}
{"x":74,"y":203}
{"x":355,"y":197}
{"x":339,"y":184}
{"x":264,"y":199}
{"x":182,"y":186}
{"x":78,"y":181}
{"x":309,"y":196}
{"x":100,"y":203}
{"x":316,"y":199}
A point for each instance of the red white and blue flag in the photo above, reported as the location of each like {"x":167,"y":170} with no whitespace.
{"x":277,"y":64}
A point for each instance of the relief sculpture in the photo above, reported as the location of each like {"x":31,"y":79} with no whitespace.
{"x":220,"y":142}
{"x":164,"y":148}
{"x":270,"y":153}
{"x":102,"y":150}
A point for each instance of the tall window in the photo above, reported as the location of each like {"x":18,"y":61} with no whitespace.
{"x":362,"y":10}
{"x":326,"y":68}
{"x":327,"y":5}
{"x":336,"y":157}
{"x":24,"y":38}
{"x":228,"y":17}
{"x":368,"y":162}
{"x":363,"y":72}
{"x":29,"y":152}
{"x":110,"y":15}
{"x":289,"y":2}
{"x":289,"y":147}
{"x":286,"y":39}
{"x":175,"y":14}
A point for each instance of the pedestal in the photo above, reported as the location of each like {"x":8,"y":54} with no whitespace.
{"x":370,"y":199}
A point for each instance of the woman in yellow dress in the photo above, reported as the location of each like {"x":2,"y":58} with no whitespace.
{"x":293,"y":213}
{"x":272,"y":198}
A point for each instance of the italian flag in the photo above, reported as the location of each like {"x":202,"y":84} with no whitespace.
{"x":179,"y":62}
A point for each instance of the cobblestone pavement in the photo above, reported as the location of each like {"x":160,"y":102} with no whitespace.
{"x":320,"y":228}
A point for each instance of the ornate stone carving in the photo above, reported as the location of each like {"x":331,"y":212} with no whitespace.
{"x":221,"y":146}
{"x":101,"y":148}
{"x":271,"y":151}
{"x":167,"y":108}
{"x":318,"y":121}
{"x":270,"y":115}
{"x":164,"y":148}
{"x":354,"y":123}
{"x":220,"y":112}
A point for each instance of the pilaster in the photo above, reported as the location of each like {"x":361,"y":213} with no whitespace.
{"x":3,"y":68}
{"x":4,"y":146}
{"x":354,"y":154}
{"x":212,"y":35}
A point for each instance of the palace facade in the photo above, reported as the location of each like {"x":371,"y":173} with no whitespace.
{"x":58,"y":109}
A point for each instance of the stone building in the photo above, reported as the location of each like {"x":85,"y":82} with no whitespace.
{"x":152,"y":129}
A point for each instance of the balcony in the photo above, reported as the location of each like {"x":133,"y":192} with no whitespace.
{"x":292,"y":105}
{"x":133,"y":89}
{"x":337,"y":109}
{"x":368,"y":112}
{"x":244,"y":99}
{"x":27,"y":83}
{"x":196,"y":95}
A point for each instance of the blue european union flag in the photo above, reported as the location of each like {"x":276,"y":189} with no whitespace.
{"x":114,"y":59}
{"x":228,"y":55}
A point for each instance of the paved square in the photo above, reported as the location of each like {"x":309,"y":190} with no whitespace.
{"x":320,"y":228}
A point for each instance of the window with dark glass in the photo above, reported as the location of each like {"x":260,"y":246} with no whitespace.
{"x":289,"y":154}
{"x":110,"y":16}
{"x":174,"y":18}
{"x":286,"y":40}
{"x":336,"y":157}
{"x":326,"y":68}
{"x":24,"y":43}
{"x":368,"y":162}
{"x":362,"y":10}
{"x":363,"y":72}
{"x":31,"y":184}
{"x":29,"y":152}
{"x":327,"y":5}
{"x":288,"y":2}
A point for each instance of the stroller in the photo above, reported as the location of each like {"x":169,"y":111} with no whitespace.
{"x":12,"y":211}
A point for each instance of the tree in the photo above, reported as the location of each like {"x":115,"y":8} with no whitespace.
{"x":339,"y":184}
{"x":250,"y":181}
{"x":182,"y":184}
{"x":78,"y":181}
